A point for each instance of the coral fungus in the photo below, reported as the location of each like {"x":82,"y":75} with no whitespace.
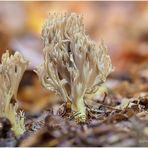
{"x":11,"y":71}
{"x":73,"y":65}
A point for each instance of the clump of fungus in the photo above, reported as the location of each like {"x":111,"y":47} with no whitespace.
{"x":11,"y":71}
{"x":73,"y":65}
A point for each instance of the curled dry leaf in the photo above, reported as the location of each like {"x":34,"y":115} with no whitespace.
{"x":73,"y":65}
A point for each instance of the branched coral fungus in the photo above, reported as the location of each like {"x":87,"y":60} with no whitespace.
{"x":11,"y":71}
{"x":74,"y":66}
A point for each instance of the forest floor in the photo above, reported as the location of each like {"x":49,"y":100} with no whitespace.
{"x":119,"y":118}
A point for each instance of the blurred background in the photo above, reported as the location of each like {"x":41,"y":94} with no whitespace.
{"x":122,"y":25}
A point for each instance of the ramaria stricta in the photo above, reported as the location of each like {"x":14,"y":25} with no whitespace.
{"x":73,"y":65}
{"x":11,"y":71}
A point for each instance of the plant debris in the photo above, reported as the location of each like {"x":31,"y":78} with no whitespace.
{"x":117,"y":111}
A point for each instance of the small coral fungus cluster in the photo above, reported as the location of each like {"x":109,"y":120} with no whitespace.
{"x":11,"y":71}
{"x":74,"y":66}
